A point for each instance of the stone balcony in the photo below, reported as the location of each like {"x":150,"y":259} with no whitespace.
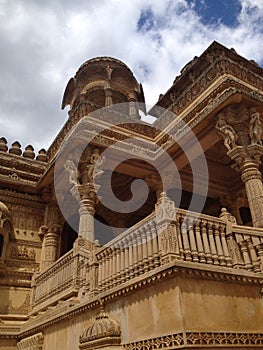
{"x":214,"y":248}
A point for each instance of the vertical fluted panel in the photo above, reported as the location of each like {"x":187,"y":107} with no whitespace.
{"x":199,"y":242}
{"x":192,"y":240}
{"x":222,"y":231}
{"x":185,"y":239}
{"x":219,"y":248}
{"x":208,"y":254}
{"x":212,"y":243}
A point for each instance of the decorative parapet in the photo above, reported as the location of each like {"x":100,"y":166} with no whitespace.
{"x":196,"y":340}
{"x":35,"y":342}
{"x":28,"y":152}
{"x":103,"y":332}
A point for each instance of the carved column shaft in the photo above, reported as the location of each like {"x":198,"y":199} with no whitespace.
{"x":86,"y":220}
{"x":50,"y":249}
{"x":86,"y":196}
{"x":254,"y":189}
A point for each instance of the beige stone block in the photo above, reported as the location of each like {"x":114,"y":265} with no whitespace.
{"x":211,"y":305}
{"x":153,"y":311}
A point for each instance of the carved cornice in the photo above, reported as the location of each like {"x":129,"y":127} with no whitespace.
{"x":210,"y":340}
{"x":23,"y":199}
{"x":216,"y":61}
{"x":27,"y":243}
{"x":9,"y":331}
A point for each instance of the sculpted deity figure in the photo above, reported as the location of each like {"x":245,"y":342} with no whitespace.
{"x":95,"y":166}
{"x":255,"y":130}
{"x":228,"y":133}
{"x":71,"y":168}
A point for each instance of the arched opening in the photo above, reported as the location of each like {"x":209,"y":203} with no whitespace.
{"x":69,"y":234}
{"x":245,"y":216}
{"x":103,"y":231}
{"x":1,"y":244}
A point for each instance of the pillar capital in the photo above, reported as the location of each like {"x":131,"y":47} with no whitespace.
{"x":154,"y":182}
{"x":241,"y":130}
{"x":159,"y":183}
{"x":239,"y":125}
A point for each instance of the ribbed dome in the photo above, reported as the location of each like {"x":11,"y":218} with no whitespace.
{"x":102,"y":327}
{"x":105,"y":59}
{"x":100,"y":78}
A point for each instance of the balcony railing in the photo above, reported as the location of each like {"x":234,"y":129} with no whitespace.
{"x":189,"y":237}
{"x":130,"y":254}
{"x":60,"y":281}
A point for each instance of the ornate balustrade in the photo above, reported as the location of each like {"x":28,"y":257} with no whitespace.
{"x":246,"y":246}
{"x":61,"y":280}
{"x":130,"y":254}
{"x":201,"y":239}
{"x":187,"y":236}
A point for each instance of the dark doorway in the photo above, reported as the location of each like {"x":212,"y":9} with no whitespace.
{"x":69,"y":234}
{"x":1,"y":244}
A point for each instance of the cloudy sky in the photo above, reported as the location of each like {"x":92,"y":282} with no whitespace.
{"x":43,"y":43}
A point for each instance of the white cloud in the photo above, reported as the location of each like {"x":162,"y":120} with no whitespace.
{"x":44,"y":42}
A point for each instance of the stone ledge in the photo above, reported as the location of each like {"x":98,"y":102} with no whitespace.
{"x":69,"y":308}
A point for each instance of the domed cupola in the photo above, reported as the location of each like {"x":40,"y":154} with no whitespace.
{"x":103,"y":332}
{"x":100,"y":82}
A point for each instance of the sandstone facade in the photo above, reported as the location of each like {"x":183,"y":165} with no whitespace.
{"x":89,"y":263}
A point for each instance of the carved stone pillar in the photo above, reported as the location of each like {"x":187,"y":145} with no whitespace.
{"x":87,"y":198}
{"x":248,"y":162}
{"x":49,"y":245}
{"x":84,"y":189}
{"x":240,"y":127}
{"x":254,"y":188}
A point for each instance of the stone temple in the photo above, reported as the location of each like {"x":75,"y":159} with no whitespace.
{"x":132,"y":235}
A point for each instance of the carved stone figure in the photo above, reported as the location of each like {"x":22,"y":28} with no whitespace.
{"x":255,"y":128}
{"x":95,"y":166}
{"x":228,"y":133}
{"x":71,"y":168}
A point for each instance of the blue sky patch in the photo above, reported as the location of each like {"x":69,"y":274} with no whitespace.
{"x":218,"y":11}
{"x":146,"y":20}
